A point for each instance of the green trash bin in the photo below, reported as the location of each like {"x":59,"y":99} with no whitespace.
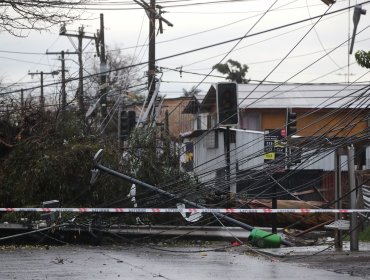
{"x":264,"y":239}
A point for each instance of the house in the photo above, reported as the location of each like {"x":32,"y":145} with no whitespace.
{"x":177,"y":121}
{"x":169,"y":116}
{"x":328,"y":116}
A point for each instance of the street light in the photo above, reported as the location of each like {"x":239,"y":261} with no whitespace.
{"x":356,"y":19}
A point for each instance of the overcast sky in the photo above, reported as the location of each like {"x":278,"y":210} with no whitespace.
{"x":196,"y":26}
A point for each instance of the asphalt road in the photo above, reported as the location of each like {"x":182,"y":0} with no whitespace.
{"x":128,"y":262}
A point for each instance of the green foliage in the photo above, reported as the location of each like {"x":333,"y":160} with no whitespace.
{"x":233,"y":70}
{"x":69,"y":126}
{"x":365,"y":235}
{"x":154,"y":161}
{"x":55,"y":163}
{"x":148,"y":158}
{"x":363,"y":59}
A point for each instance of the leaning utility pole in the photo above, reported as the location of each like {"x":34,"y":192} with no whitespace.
{"x":63,"y":89}
{"x":42,"y":98}
{"x":80,"y":36}
{"x":152,"y":15}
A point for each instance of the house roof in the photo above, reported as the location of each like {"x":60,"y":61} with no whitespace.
{"x":297,"y":96}
{"x":193,"y":104}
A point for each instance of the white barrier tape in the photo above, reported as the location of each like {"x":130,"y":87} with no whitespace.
{"x":186,"y":210}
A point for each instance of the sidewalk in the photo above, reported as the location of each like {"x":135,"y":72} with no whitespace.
{"x":324,"y":257}
{"x":313,"y":250}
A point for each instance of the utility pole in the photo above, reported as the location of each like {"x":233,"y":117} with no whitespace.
{"x":152,"y":14}
{"x":353,"y":199}
{"x":100,"y":45}
{"x":22,"y":101}
{"x":42,"y":98}
{"x":80,"y":36}
{"x":151,"y":66}
{"x":80,"y":93}
{"x":99,"y":167}
{"x":63,"y":89}
{"x":227,"y":154}
{"x":338,"y":242}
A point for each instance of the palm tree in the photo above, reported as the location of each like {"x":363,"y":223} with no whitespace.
{"x":193,"y":91}
{"x":233,"y":70}
{"x":363,"y":59}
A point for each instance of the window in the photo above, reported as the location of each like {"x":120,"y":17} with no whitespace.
{"x":250,"y":121}
{"x":211,"y":121}
{"x":211,"y":140}
{"x":199,"y":122}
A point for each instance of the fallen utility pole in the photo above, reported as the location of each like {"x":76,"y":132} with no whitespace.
{"x":99,"y":166}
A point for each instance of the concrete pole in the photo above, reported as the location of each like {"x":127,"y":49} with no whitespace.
{"x":338,"y":194}
{"x":352,"y":186}
{"x":175,"y":197}
{"x":227,"y":154}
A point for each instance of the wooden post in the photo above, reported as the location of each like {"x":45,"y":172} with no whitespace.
{"x":80,"y":92}
{"x":63,"y":89}
{"x":103,"y":68}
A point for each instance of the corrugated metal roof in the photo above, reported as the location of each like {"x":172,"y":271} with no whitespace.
{"x":302,"y":95}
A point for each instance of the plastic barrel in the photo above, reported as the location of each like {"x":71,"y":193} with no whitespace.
{"x":264,"y":239}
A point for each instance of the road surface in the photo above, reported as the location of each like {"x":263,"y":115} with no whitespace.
{"x":133,"y":262}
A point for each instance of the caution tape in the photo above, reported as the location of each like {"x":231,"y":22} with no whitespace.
{"x":186,"y":210}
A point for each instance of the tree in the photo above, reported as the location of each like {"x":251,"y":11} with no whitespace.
{"x":19,"y":17}
{"x":193,"y":91}
{"x":233,"y":70}
{"x":120,"y":77}
{"x":363,"y":59}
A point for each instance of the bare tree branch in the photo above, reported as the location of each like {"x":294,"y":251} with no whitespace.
{"x":19,"y":17}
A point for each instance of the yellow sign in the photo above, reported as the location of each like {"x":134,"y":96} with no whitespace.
{"x":278,"y":144}
{"x":269,"y":156}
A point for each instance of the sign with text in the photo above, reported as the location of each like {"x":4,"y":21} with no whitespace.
{"x":274,"y":146}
